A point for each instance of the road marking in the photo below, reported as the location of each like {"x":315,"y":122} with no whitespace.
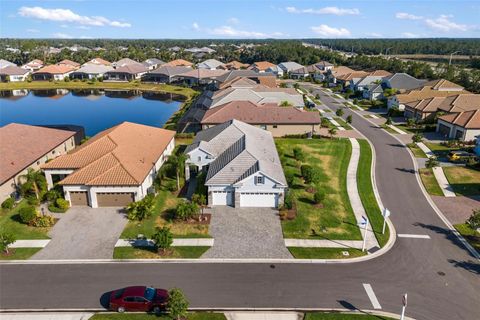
{"x":372,"y":296}
{"x":415,"y":236}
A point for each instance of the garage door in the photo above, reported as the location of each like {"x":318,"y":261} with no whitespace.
{"x":79,"y":198}
{"x":258,"y":199}
{"x":222,"y":198}
{"x":444,"y":130}
{"x":114,"y":199}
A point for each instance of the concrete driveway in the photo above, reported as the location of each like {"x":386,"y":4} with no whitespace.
{"x":84,"y":233}
{"x":246,"y":233}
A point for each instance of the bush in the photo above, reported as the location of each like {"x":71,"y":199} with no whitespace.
{"x":325,"y":123}
{"x":389,"y":121}
{"x":62,"y":204}
{"x":432,"y":162}
{"x":31,"y":200}
{"x":290,"y":177}
{"x":142,"y":209}
{"x":27,"y":214}
{"x":339,"y":112}
{"x":474,"y":220}
{"x":43,"y":221}
{"x":310,"y":174}
{"x":289,"y":201}
{"x":186,"y":210}
{"x":162,"y":238}
{"x":171,"y":185}
{"x":319,"y":196}
{"x":349,"y":119}
{"x":8,"y":204}
{"x":417,"y":137}
{"x":6,"y":239}
{"x":298,"y":154}
{"x":177,"y":304}
{"x":51,"y":195}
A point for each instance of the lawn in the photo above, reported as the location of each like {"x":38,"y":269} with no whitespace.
{"x":10,"y":221}
{"x":19,"y":253}
{"x":472,"y":236}
{"x":335,"y":220}
{"x":151,"y":253}
{"x":465,"y":181}
{"x":430,"y":182}
{"x":387,"y":128}
{"x":324,"y":253}
{"x":417,"y":152}
{"x":343,"y":316}
{"x":343,"y":123}
{"x":439,"y":150}
{"x":365,"y":190}
{"x":144,"y":316}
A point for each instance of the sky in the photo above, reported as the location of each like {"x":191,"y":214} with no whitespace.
{"x":230,"y":19}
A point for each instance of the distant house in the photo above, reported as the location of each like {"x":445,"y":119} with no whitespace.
{"x":289,"y":66}
{"x":22,"y":147}
{"x":153,"y":63}
{"x":13,"y":74}
{"x":300,"y":73}
{"x":126,"y":73}
{"x":4,"y":63}
{"x":347,"y":78}
{"x":464,"y":126}
{"x":323,"y":66}
{"x":90,"y":71}
{"x":264,"y":78}
{"x":113,"y":168}
{"x":402,"y":82}
{"x":242,"y":165}
{"x":236,"y":65}
{"x":178,"y":63}
{"x":69,"y":63}
{"x":427,"y":109}
{"x":335,"y":72}
{"x":33,"y":65}
{"x":198,"y":76}
{"x":53,"y":72}
{"x":276,"y":70}
{"x":360,"y":84}
{"x":373,"y":91}
{"x":280,"y":121}
{"x":211,"y":64}
{"x":125,"y":62}
{"x":99,"y":61}
{"x":261,"y":66}
{"x":165,"y":74}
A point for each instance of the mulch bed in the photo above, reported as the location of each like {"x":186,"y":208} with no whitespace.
{"x":288,"y":214}
{"x":206,"y":218}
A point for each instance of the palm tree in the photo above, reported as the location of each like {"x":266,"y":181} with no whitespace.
{"x":332,"y":132}
{"x":178,"y":161}
{"x":34,"y":181}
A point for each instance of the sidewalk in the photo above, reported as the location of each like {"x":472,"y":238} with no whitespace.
{"x":443,"y":182}
{"x":46,"y":316}
{"x":306,"y":243}
{"x":257,"y":315}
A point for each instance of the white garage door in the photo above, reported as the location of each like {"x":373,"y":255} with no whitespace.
{"x":257,"y":199}
{"x":222,"y":198}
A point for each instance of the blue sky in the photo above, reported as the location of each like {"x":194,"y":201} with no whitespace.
{"x":238,"y":19}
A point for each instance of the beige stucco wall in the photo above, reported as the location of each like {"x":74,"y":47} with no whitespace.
{"x":9,"y":186}
{"x":283,"y":129}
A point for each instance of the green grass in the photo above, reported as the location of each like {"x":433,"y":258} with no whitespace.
{"x":365,"y":190}
{"x":417,"y":152}
{"x":151,"y":253}
{"x":335,"y":220}
{"x":324,"y":253}
{"x":144,"y":316}
{"x":472,"y":236}
{"x":465,"y":181}
{"x":439,"y":150}
{"x":19,"y":253}
{"x":10,"y":220}
{"x":430,"y":182}
{"x":343,"y":123}
{"x":408,"y":129}
{"x":343,"y":316}
{"x":387,"y":128}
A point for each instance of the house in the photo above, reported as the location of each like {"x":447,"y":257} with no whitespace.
{"x":113,"y":168}
{"x":276,"y":70}
{"x":464,"y":126}
{"x":13,"y":74}
{"x":125,"y":62}
{"x":23,"y":147}
{"x":33,"y":65}
{"x":236,"y":65}
{"x":323,"y":66}
{"x":178,"y":63}
{"x":373,"y":91}
{"x":53,"y":72}
{"x":261,"y":66}
{"x":300,"y":73}
{"x":165,"y":74}
{"x":335,"y":72}
{"x":402,"y":82}
{"x":241,"y":163}
{"x":211,"y":64}
{"x":99,"y":61}
{"x":427,"y":109}
{"x":128,"y":72}
{"x":153,"y":63}
{"x":70,"y":63}
{"x":264,"y":78}
{"x":347,"y":78}
{"x":280,"y":121}
{"x":289,"y":66}
{"x":4,"y":63}
{"x":359,"y":84}
{"x":198,"y":76}
{"x":90,"y":71}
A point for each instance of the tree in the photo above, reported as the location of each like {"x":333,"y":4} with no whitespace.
{"x":432,"y":162}
{"x":186,"y":210}
{"x":339,"y":112}
{"x":200,"y":200}
{"x":162,"y":238}
{"x":177,"y":304}
{"x":474,"y":220}
{"x":34,"y":182}
{"x":389,"y":121}
{"x":410,"y":122}
{"x":325,"y":123}
{"x":332,"y":132}
{"x":178,"y":162}
{"x":28,"y":214}
{"x":298,"y":154}
{"x":319,"y":196}
{"x":349,"y":118}
{"x":142,"y":209}
{"x":417,"y":137}
{"x":6,"y":239}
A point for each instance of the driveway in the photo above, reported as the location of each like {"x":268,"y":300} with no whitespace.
{"x":84,"y":233}
{"x":246,"y":233}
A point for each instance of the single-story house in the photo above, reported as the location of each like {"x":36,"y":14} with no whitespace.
{"x":280,"y":121}
{"x":289,"y":66}
{"x":276,"y":70}
{"x":261,"y":66}
{"x":198,"y":76}
{"x":126,"y":73}
{"x":53,"y":72}
{"x":13,"y":74}
{"x":33,"y":65}
{"x":300,"y":73}
{"x":426,"y":109}
{"x":402,"y":82}
{"x":242,"y":165}
{"x":23,"y":147}
{"x":99,"y":61}
{"x":178,"y":63}
{"x":114,"y":168}
{"x":335,"y":72}
{"x":5,"y":63}
{"x":236,"y":65}
{"x":90,"y":71}
{"x":153,"y":63}
{"x":323,"y":65}
{"x":66,"y":62}
{"x":211,"y":64}
{"x":464,"y":126}
{"x":264,"y":78}
{"x":373,"y":91}
{"x":347,"y":78}
{"x":124,"y":62}
{"x":165,"y":74}
{"x":359,"y":84}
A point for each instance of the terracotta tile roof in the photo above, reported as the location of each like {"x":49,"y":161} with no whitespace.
{"x":21,"y":145}
{"x":56,"y":69}
{"x":380,"y":73}
{"x":100,"y":61}
{"x":443,"y":85}
{"x":425,"y":93}
{"x":467,"y":119}
{"x":454,"y":103}
{"x":236,"y":65}
{"x":270,"y":82}
{"x":261,"y":65}
{"x":69,"y":63}
{"x":121,"y":155}
{"x":351,"y":75}
{"x":179,"y":62}
{"x":337,"y":71}
{"x":426,"y":105}
{"x":252,"y":113}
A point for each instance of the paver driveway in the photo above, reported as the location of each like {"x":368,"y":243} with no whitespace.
{"x":246,"y":233}
{"x":84,"y":233}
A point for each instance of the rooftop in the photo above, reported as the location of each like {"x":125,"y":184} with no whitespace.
{"x":467,"y":119}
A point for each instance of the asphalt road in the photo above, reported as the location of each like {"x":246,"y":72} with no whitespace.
{"x":439,"y":274}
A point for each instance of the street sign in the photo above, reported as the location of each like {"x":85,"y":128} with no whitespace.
{"x":386,"y":213}
{"x":404,"y":300}
{"x":364,"y":221}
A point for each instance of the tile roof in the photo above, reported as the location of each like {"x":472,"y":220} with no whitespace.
{"x":380,"y":73}
{"x":130,"y":68}
{"x":352,"y":75}
{"x":99,"y":61}
{"x":236,"y":65}
{"x":91,"y":68}
{"x":425,"y":93}
{"x":337,"y":71}
{"x":121,"y":155}
{"x":302,"y":70}
{"x":21,"y":145}
{"x":69,"y":63}
{"x":13,"y":71}
{"x":5,"y":63}
{"x":178,"y":63}
{"x":202,"y":73}
{"x":261,"y":65}
{"x":443,"y":85}
{"x":289,"y":66}
{"x":124,"y":62}
{"x":233,"y":74}
{"x":56,"y":69}
{"x":453,"y":103}
{"x":467,"y":119}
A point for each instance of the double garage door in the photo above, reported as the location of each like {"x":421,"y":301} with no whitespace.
{"x":104,"y":199}
{"x":258,"y":199}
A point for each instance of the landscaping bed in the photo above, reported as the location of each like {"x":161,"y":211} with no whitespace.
{"x":324,"y":253}
{"x":152,"y":253}
{"x":10,"y":221}
{"x":465,"y":181}
{"x":430,"y":182}
{"x":19,"y":253}
{"x":145,"y":316}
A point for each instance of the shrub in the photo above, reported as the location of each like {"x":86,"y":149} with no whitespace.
{"x":289,"y":200}
{"x":349,"y":119}
{"x":177,"y":304}
{"x":432,"y":162}
{"x":474,"y":220}
{"x":171,"y":185}
{"x":355,"y":101}
{"x":6,"y":239}
{"x":298,"y":154}
{"x":319,"y":196}
{"x":186,"y":210}
{"x":43,"y":221}
{"x":31,"y":200}
{"x":142,"y":209}
{"x":51,"y":195}
{"x":389,"y":121}
{"x":339,"y":112}
{"x":162,"y":238}
{"x":290,"y":177}
{"x":27,"y":214}
{"x":325,"y":123}
{"x":310,"y":174}
{"x":8,"y":204}
{"x":417,"y":137}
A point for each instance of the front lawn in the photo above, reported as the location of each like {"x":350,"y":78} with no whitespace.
{"x":10,"y":221}
{"x":343,"y":123}
{"x":343,"y":316}
{"x":417,"y":152}
{"x":324,"y":253}
{"x":465,"y":181}
{"x":19,"y":253}
{"x":430,"y":182}
{"x":472,"y":236}
{"x":334,"y":218}
{"x":151,"y":253}
{"x":440,"y":150}
{"x":144,"y":316}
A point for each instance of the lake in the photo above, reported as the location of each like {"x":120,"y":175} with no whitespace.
{"x":95,"y":110}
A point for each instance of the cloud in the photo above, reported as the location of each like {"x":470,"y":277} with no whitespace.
{"x":195,"y":26}
{"x":229,"y":31}
{"x":407,"y":16}
{"x":326,"y":10}
{"x":83,"y":27}
{"x":61,"y":35}
{"x":374,"y":34}
{"x":409,"y":35}
{"x":443,"y":24}
{"x":327,"y":31}
{"x":33,"y":30}
{"x":66,"y":15}
{"x":233,"y":20}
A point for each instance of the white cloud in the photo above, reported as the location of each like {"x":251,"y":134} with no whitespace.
{"x":233,"y":20}
{"x":327,"y":31}
{"x":443,"y":24}
{"x":326,"y":10}
{"x":195,"y":26}
{"x":407,"y":16}
{"x":83,"y":27}
{"x":374,"y":34}
{"x":61,"y":35}
{"x":33,"y":30}
{"x":409,"y":35}
{"x":229,"y":31}
{"x":66,"y":15}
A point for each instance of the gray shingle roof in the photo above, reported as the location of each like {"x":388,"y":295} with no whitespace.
{"x":210,"y":64}
{"x":170,"y":70}
{"x":289,"y":66}
{"x":91,"y":68}
{"x":404,"y":81}
{"x":242,"y":73}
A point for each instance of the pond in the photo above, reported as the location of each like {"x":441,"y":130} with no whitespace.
{"x":95,"y":110}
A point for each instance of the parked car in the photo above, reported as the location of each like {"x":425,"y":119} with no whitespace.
{"x":461,"y":156}
{"x":138,"y":298}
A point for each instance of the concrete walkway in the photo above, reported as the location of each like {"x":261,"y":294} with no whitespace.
{"x":335,"y":123}
{"x":30,"y":243}
{"x":425,"y":149}
{"x":47,"y":316}
{"x":258,"y":315}
{"x":443,"y":182}
{"x":193,"y":242}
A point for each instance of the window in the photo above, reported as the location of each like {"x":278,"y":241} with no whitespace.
{"x":263,"y":126}
{"x":129,"y":299}
{"x":259,"y":180}
{"x":275,"y":126}
{"x":199,"y":158}
{"x":38,"y":162}
{"x":140,"y":299}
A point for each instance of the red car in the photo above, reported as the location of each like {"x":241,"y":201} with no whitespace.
{"x":138,"y":298}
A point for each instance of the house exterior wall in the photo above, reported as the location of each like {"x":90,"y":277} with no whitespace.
{"x":199,"y":158}
{"x":457,"y":132}
{"x":281,"y":130}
